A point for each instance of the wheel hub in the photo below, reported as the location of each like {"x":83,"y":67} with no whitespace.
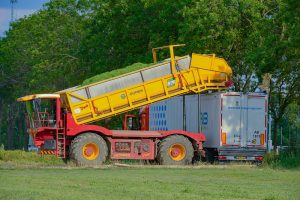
{"x":90,"y":151}
{"x":177,"y":152}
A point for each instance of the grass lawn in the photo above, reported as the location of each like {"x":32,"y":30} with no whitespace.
{"x":149,"y":183}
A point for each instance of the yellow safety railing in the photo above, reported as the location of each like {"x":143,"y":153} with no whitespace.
{"x":172,"y":55}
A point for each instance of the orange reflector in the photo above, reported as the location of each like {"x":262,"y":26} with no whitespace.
{"x":223,"y":137}
{"x":262,"y":138}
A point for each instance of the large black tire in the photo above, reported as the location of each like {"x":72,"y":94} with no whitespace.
{"x":78,"y":155}
{"x":164,"y":156}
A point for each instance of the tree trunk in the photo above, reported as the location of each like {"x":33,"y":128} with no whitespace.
{"x":1,"y":118}
{"x":275,"y":123}
{"x":22,"y":126}
{"x":9,"y":127}
{"x":24,"y":130}
{"x":11,"y":121}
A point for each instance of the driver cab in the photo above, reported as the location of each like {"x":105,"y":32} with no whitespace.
{"x":42,"y":110}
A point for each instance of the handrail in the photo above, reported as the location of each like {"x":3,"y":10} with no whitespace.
{"x":38,"y":119}
{"x":171,"y":48}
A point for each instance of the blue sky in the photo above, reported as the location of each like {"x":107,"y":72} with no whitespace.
{"x":21,"y":8}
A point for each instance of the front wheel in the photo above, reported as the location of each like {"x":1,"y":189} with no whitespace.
{"x":88,"y":149}
{"x":175,"y":150}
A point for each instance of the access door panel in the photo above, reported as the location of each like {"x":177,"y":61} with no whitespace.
{"x":231,"y":120}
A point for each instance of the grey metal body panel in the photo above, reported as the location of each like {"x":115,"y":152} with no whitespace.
{"x":166,"y":115}
{"x":184,"y":64}
{"x":256,"y":119}
{"x":210,"y":119}
{"x":238,"y":151}
{"x":232,"y":122}
{"x":172,"y":111}
{"x":235,"y":153}
{"x":242,"y":116}
{"x":192,"y":113}
{"x":156,"y":72}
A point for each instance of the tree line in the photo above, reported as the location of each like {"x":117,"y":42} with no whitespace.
{"x":70,"y":40}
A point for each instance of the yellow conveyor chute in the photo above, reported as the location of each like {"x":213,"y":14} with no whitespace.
{"x":173,"y":77}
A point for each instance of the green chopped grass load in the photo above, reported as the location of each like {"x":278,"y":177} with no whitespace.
{"x":114,"y":73}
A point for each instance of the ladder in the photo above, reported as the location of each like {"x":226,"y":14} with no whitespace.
{"x":60,"y":143}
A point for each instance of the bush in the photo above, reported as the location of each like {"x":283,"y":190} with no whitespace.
{"x":288,"y":159}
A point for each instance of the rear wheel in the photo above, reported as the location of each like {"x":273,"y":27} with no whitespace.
{"x":88,"y":149}
{"x":175,"y":150}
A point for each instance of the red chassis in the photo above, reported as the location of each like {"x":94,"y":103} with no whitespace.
{"x":122,"y":144}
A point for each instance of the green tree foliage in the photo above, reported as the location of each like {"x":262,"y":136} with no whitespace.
{"x":36,"y":54}
{"x":229,"y":29}
{"x":278,"y":53}
{"x":70,"y":40}
{"x":123,"y":32}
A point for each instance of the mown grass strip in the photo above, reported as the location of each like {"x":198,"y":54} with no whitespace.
{"x":157,"y":183}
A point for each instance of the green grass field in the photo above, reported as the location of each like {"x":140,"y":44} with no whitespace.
{"x":229,"y":182}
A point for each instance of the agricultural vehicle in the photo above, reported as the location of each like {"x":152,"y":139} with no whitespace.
{"x":59,"y":123}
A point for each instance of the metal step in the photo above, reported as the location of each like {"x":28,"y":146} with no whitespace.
{"x":60,"y":144}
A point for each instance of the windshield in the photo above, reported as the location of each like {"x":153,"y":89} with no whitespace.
{"x":41,"y":113}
